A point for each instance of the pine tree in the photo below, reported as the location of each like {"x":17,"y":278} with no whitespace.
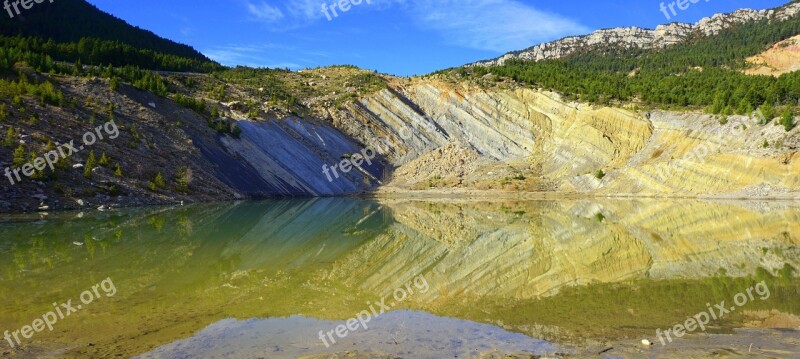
{"x":768,"y":110}
{"x":91,"y":162}
{"x":37,"y":174}
{"x":11,"y":136}
{"x":183,"y":178}
{"x":19,"y":156}
{"x":157,"y":182}
{"x":787,"y":120}
{"x":117,"y":170}
{"x":104,"y":160}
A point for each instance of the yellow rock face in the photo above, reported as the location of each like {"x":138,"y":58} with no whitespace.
{"x":549,"y":144}
{"x":782,"y":58}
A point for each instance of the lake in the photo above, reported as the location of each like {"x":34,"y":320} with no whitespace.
{"x":399,"y":278}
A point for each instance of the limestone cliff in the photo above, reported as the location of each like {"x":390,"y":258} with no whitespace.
{"x":439,"y":134}
{"x":638,"y":38}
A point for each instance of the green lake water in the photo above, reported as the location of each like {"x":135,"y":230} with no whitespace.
{"x":458,"y":278}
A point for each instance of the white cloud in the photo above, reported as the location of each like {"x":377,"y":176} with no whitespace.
{"x":260,"y":55}
{"x":306,"y":9}
{"x":493,"y":25}
{"x":265,"y":12}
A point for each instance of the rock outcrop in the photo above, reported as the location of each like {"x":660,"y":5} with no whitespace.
{"x":783,"y":57}
{"x":639,"y":38}
{"x":440,"y":135}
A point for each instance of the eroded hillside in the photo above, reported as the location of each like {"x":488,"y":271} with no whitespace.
{"x":428,"y":133}
{"x":531,"y":140}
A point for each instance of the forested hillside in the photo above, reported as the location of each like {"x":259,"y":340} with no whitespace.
{"x":705,"y":72}
{"x":68,"y":21}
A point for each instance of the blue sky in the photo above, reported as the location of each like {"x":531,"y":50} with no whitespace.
{"x":401,"y":37}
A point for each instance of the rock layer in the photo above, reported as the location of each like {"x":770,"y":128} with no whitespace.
{"x":437,"y":134}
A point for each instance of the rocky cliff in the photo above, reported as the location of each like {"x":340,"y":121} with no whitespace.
{"x":438,"y":134}
{"x":639,"y":38}
{"x":424,"y":134}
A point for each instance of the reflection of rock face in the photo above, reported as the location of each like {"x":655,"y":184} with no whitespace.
{"x":491,"y":250}
{"x":181,"y":269}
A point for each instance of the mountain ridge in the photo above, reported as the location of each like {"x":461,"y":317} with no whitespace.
{"x":73,"y":20}
{"x":662,"y":36}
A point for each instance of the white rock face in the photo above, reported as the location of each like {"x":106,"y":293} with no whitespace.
{"x":635,"y":37}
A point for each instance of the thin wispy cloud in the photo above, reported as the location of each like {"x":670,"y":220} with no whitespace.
{"x":491,"y":25}
{"x":261,"y":56}
{"x":264,"y":12}
{"x":308,"y":10}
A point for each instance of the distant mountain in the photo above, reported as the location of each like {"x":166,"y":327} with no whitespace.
{"x":67,"y":21}
{"x":639,"y":38}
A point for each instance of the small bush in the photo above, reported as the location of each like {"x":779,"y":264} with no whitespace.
{"x":113,"y":84}
{"x":599,"y":174}
{"x":182,"y":179}
{"x":157,"y":182}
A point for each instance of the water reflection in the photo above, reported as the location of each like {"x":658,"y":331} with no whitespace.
{"x":562,"y":271}
{"x":422,"y":336}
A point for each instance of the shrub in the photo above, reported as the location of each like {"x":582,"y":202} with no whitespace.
{"x":11,"y":136}
{"x":157,"y":182}
{"x":599,"y":174}
{"x":38,"y":175}
{"x":182,"y":179}
{"x":19,"y":156}
{"x":113,"y":84}
{"x":235,"y":130}
{"x":104,"y":160}
{"x":768,"y":111}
